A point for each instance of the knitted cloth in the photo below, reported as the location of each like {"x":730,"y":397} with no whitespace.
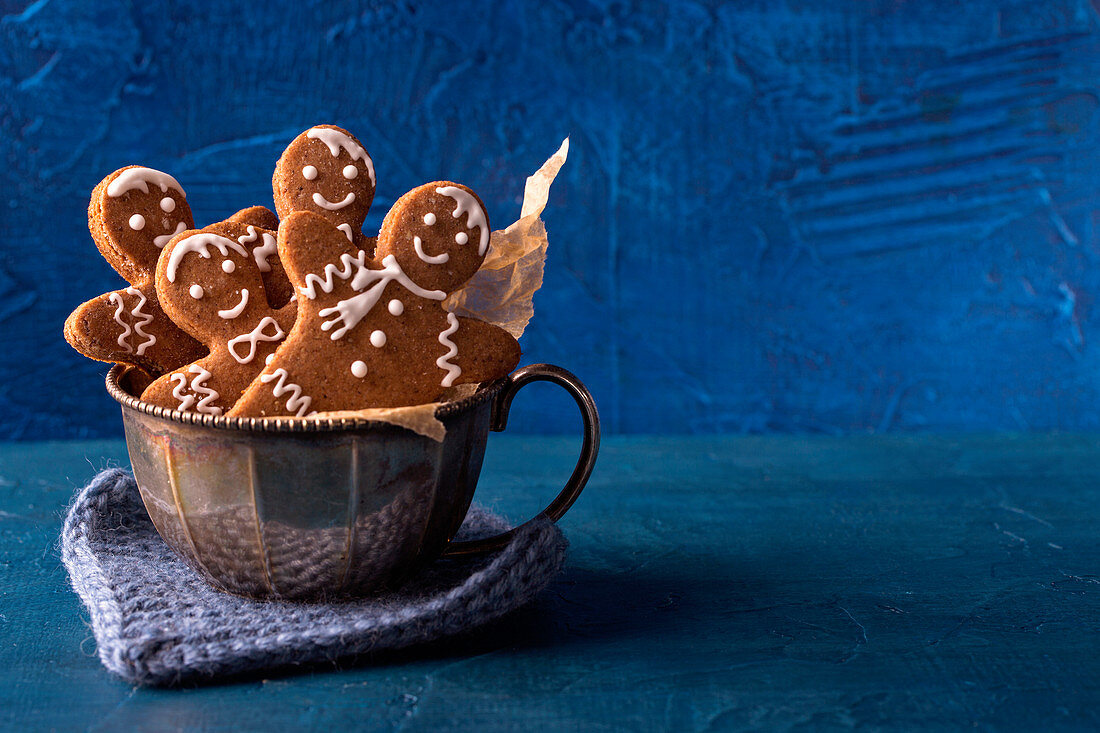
{"x":156,"y":622}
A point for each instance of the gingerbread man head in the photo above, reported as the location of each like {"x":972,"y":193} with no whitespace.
{"x":209,"y":284}
{"x":327,"y":171}
{"x":438,"y":233}
{"x":132,"y":215}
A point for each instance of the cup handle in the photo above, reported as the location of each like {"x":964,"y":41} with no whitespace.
{"x":498,"y":421}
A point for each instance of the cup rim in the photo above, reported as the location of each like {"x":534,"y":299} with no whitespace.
{"x":283,"y":424}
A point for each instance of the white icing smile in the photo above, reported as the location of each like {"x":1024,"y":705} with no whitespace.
{"x":162,"y":240}
{"x":231,"y":313}
{"x":324,"y":203}
{"x":438,"y":259}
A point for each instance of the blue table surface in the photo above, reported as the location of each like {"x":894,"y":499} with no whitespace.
{"x":713,"y":583}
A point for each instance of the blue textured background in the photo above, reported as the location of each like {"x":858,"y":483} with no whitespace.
{"x":784,"y":216}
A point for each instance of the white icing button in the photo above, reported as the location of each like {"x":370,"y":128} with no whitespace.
{"x":378,"y":339}
{"x":195,"y":291}
{"x":137,"y":222}
{"x":359,"y":369}
{"x":396,"y":307}
{"x":462,"y":238}
{"x":228,"y":266}
{"x":168,"y":204}
{"x":429,"y":218}
{"x":269,"y":358}
{"x":309,"y":173}
{"x":350,"y":172}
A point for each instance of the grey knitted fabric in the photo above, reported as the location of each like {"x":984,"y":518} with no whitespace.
{"x":156,"y":622}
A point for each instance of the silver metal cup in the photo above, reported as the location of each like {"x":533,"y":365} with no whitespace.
{"x":308,"y":509}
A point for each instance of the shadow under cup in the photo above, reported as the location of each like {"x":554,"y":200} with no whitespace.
{"x":308,"y":509}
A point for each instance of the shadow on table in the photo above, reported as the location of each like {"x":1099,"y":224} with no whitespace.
{"x":584,"y":606}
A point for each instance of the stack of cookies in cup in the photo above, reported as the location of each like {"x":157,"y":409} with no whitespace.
{"x":295,"y":313}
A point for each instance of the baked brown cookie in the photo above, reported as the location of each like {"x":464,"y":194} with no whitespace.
{"x":132,"y":215}
{"x":212,"y":286}
{"x":326,"y":170}
{"x":374,"y":333}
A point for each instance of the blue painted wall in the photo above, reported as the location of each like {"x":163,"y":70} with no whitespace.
{"x":780,"y":216}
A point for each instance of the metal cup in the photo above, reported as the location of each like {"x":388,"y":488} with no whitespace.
{"x":308,"y":509}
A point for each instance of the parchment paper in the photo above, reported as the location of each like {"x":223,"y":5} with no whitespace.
{"x":502,"y":292}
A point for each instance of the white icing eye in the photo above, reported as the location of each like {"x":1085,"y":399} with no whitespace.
{"x":269,"y":358}
{"x":196,"y":292}
{"x":350,"y":172}
{"x":377,"y":339}
{"x":462,"y":238}
{"x":309,"y":173}
{"x":429,"y":218}
{"x":168,"y":204}
{"x":359,"y":369}
{"x":137,"y":222}
{"x":228,"y":266}
{"x":396,"y":307}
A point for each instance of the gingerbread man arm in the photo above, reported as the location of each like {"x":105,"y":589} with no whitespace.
{"x":129,"y":326}
{"x":257,"y":216}
{"x":485,"y":351}
{"x":318,"y":259}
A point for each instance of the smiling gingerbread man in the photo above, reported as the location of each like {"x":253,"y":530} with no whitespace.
{"x":374,"y":333}
{"x":132,"y":215}
{"x":213,"y":287}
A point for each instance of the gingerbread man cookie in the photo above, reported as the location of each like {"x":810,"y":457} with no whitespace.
{"x":211,"y":285}
{"x":133,"y":214}
{"x":327,"y":171}
{"x":374,"y":333}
